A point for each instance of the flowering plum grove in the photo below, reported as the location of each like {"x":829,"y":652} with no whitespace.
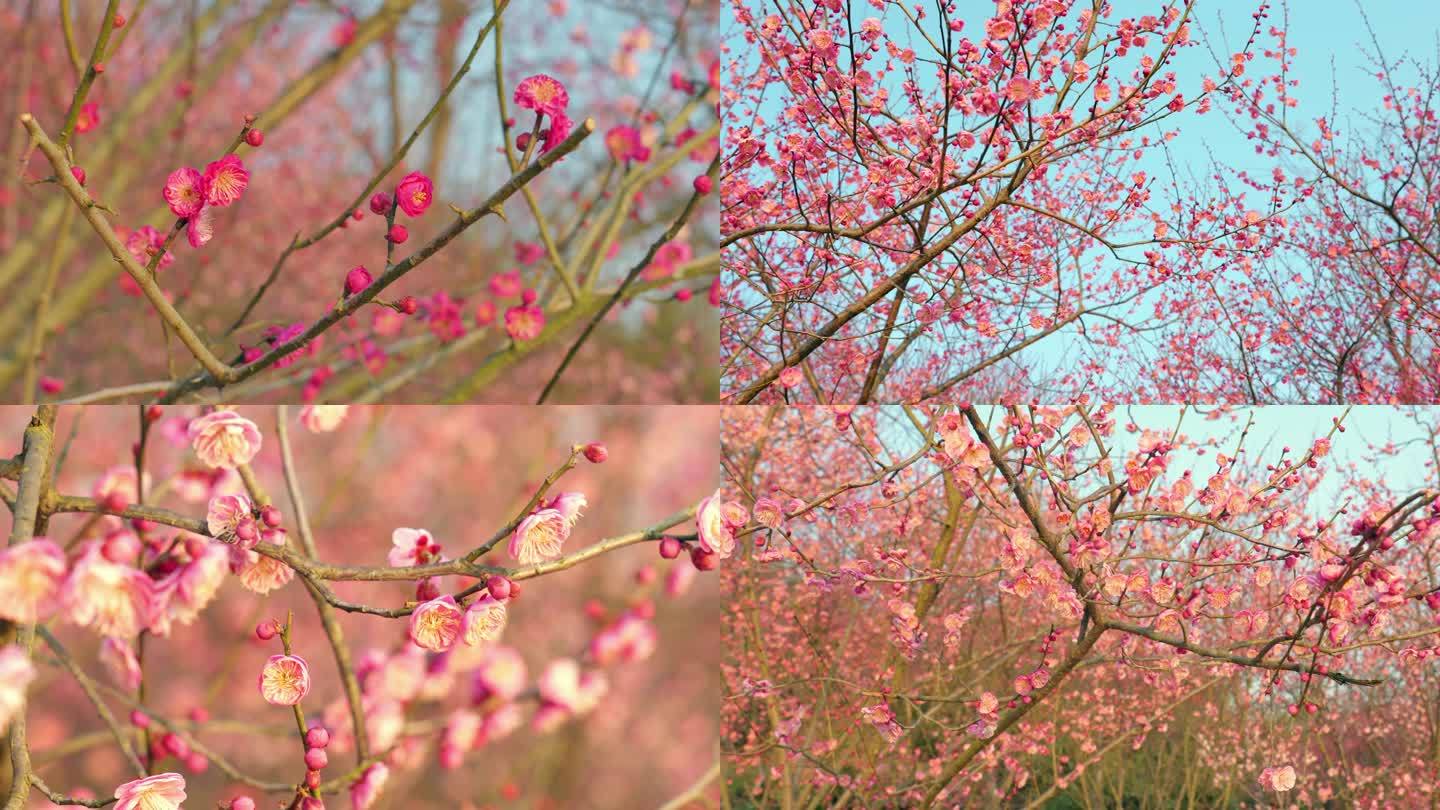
{"x":240,"y":196}
{"x":1022,"y":606}
{"x":246,"y":608}
{"x":930,"y":201}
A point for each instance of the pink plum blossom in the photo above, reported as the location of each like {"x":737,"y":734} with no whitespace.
{"x":224,"y":439}
{"x":285,"y":680}
{"x":543,"y":94}
{"x":163,"y":791}
{"x":435,"y":625}
{"x":539,"y":536}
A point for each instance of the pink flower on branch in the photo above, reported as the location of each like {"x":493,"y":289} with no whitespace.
{"x":185,"y":192}
{"x":539,"y":536}
{"x":543,"y":94}
{"x":285,"y":680}
{"x":414,"y":194}
{"x":436,"y":624}
{"x":224,"y":439}
{"x":164,"y":791}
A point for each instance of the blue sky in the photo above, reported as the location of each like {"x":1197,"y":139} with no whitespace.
{"x":1334,"y":66}
{"x":1367,"y":428}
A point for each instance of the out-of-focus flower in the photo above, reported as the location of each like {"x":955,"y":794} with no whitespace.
{"x":111,"y":598}
{"x":323,"y":418}
{"x":539,"y":537}
{"x":31,"y":574}
{"x":16,"y":673}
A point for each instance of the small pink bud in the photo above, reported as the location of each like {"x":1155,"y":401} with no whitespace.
{"x":380,"y":203}
{"x":118,"y":22}
{"x":312,"y":781}
{"x":254,"y":137}
{"x":682,"y":295}
{"x":242,"y":803}
{"x":1292,"y":709}
{"x":265,"y":630}
{"x":645,"y":575}
{"x":246,"y":531}
{"x":199,"y":714}
{"x":270,"y":515}
{"x":669,"y":548}
{"x":79,"y":175}
{"x":398,"y":234}
{"x":703,"y":184}
{"x":139,"y":719}
{"x":99,"y":68}
{"x":703,"y":560}
{"x":316,"y":759}
{"x":595,"y":453}
{"x":176,"y":745}
{"x":153,"y":413}
{"x":500,"y":587}
{"x":357,"y":280}
{"x":528,"y":297}
{"x":114,"y":502}
{"x":409,"y":305}
{"x":317,"y":737}
{"x":196,"y":762}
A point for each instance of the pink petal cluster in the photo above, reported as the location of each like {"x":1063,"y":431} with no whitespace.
{"x":543,"y":94}
{"x":484,"y":620}
{"x":226,"y":515}
{"x":163,"y":791}
{"x":224,"y":439}
{"x":414,"y":194}
{"x":624,"y":144}
{"x":285,"y":680}
{"x":524,"y":322}
{"x":31,"y":574}
{"x":111,"y":598}
{"x":540,"y":536}
{"x":569,"y":505}
{"x":435,"y":625}
{"x":191,"y":195}
{"x":412,"y":547}
{"x":717,"y":522}
{"x":257,"y":572}
{"x":366,"y":790}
